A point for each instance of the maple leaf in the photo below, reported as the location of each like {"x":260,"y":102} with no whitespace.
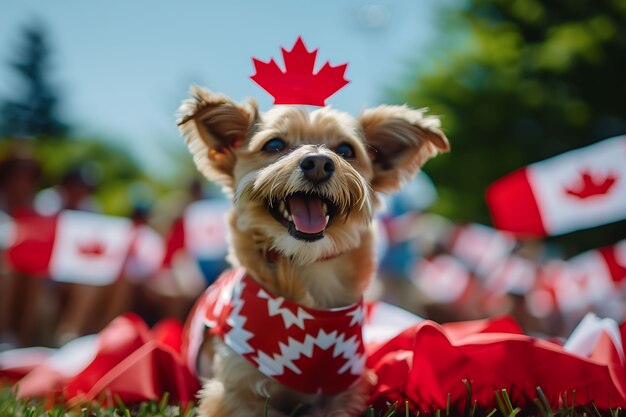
{"x":588,"y":186}
{"x":91,"y":249}
{"x":298,"y":84}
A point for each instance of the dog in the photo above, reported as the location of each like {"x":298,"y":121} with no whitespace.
{"x":305,"y":185}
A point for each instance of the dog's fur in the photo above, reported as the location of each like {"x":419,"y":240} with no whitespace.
{"x":390,"y":144}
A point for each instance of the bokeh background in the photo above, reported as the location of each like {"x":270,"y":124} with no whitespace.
{"x":88,"y":93}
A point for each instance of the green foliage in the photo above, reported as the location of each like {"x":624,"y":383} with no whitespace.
{"x":120,"y":183}
{"x":116,"y":172}
{"x":517,"y":81}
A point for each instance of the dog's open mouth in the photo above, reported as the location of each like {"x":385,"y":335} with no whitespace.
{"x":306,"y":216}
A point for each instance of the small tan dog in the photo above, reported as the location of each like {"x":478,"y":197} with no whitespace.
{"x":304,"y":186}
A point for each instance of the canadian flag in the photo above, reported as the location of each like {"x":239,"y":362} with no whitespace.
{"x":443,"y":278}
{"x":83,"y":247}
{"x":515,"y":275}
{"x":89,"y":247}
{"x":481,"y":248}
{"x":579,"y":189}
{"x":205,"y":228}
{"x":201,"y":232}
{"x":596,"y":278}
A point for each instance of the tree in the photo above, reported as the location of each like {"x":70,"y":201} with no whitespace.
{"x":34,"y":111}
{"x":525,"y":80}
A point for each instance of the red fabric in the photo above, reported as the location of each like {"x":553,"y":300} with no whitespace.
{"x":132,"y":362}
{"x":175,"y":241}
{"x":614,"y":264}
{"x":34,"y":238}
{"x":306,"y":349}
{"x":425,"y":363}
{"x":421,"y":365}
{"x":513,"y":205}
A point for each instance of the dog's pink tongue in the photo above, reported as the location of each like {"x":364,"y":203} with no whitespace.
{"x":307,"y":214}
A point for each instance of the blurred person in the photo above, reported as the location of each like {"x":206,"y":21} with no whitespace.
{"x":519,"y":278}
{"x":195,"y":252}
{"x":20,"y":174}
{"x":20,"y":296}
{"x":74,"y":192}
{"x":168,"y":208}
{"x":89,"y":308}
{"x":412,"y":236}
{"x":450,"y":291}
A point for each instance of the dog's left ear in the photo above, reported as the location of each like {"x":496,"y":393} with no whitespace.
{"x":214,"y":128}
{"x":400,"y":140}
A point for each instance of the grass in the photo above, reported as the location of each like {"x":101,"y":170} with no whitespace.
{"x":10,"y":406}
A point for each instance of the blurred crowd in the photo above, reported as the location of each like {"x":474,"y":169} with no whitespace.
{"x":68,"y":269}
{"x":51,"y":293}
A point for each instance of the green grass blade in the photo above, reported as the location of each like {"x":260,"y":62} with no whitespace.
{"x":598,"y":414}
{"x":542,"y":410}
{"x":546,"y":404}
{"x":267,"y":406}
{"x":468,"y":399}
{"x":164,"y":402}
{"x":508,"y":402}
{"x":391,"y":411}
{"x":501,"y":404}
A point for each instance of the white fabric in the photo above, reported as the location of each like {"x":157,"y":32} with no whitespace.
{"x":586,"y":335}
{"x":386,"y":321}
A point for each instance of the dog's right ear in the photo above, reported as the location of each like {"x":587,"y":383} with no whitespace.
{"x":214,"y":127}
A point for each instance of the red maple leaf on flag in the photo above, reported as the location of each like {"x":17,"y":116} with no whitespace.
{"x":298,"y":84}
{"x":587,"y":185}
{"x":91,"y":249}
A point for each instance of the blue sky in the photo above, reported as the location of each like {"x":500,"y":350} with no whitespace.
{"x":124,"y":66}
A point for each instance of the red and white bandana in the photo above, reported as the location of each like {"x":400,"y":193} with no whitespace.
{"x":306,"y":349}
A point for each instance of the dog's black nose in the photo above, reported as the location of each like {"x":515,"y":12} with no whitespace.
{"x":317,"y":168}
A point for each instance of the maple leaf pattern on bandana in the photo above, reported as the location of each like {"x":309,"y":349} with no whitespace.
{"x":306,"y":349}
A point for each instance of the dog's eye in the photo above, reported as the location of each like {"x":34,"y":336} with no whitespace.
{"x":274,"y":145}
{"x":345,"y":151}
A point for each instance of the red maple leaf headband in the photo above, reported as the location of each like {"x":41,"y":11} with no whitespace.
{"x":298,"y":84}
